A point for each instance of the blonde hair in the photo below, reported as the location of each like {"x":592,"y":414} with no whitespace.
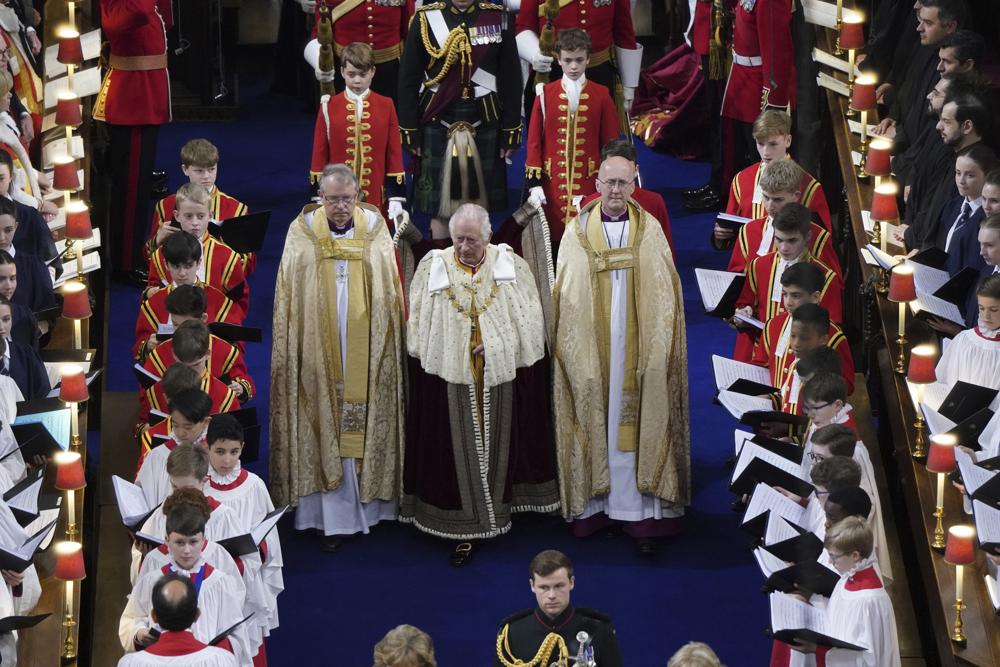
{"x":193,"y":192}
{"x":695,"y":654}
{"x":781,"y":176}
{"x":405,"y":645}
{"x":199,"y":153}
{"x":850,"y":535}
{"x":772,"y":123}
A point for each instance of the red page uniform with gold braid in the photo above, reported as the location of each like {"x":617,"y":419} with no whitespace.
{"x":743,"y":191}
{"x":222,"y":266}
{"x":153,"y":312}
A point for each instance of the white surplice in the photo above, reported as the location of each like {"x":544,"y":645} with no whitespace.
{"x":340,"y":512}
{"x":861,"y":611}
{"x":624,"y":502}
{"x":971,"y":357}
{"x":209,"y":656}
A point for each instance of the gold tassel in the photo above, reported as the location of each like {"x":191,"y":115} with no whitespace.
{"x":454,"y":150}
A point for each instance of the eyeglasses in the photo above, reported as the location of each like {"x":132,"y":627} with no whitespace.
{"x":816,"y":458}
{"x":616,"y":183}
{"x":343,"y":201}
{"x":815,"y":406}
{"x":835,"y":557}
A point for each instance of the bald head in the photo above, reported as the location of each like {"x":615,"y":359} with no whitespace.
{"x":175,"y":603}
{"x":615,"y":183}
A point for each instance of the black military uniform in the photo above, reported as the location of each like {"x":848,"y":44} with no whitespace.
{"x":522,"y":635}
{"x":460,"y":69}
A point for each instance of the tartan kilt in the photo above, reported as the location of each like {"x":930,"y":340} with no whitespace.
{"x":434,"y":141}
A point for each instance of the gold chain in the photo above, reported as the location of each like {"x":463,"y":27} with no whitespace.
{"x":455,"y":46}
{"x":473,"y":311}
{"x":549,"y":644}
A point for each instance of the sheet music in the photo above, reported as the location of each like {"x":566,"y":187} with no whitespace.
{"x":765,"y":499}
{"x":823,"y":14}
{"x":267,"y":523}
{"x":937,"y":306}
{"x":58,"y":222}
{"x":153,"y":376}
{"x":57,"y":148}
{"x":839,"y":87}
{"x":882,"y":259}
{"x":778,"y":530}
{"x":166,"y":328}
{"x":994,"y":590}
{"x":752,"y":450}
{"x":46,"y":522}
{"x":27,"y":499}
{"x":713,"y":286}
{"x":57,"y":422}
{"x":927,"y":279}
{"x":131,"y":500}
{"x":821,"y":57}
{"x":740,"y":436}
{"x":856,"y":125}
{"x":728,"y":371}
{"x":740,"y":404}
{"x":91,"y":262}
{"x":768,"y":562}
{"x":936,"y":422}
{"x":752,"y":321}
{"x":729,"y":217}
{"x":987,"y":522}
{"x":973,"y":476}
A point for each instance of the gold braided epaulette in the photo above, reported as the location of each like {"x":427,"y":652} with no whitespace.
{"x":433,"y":5}
{"x":491,"y":5}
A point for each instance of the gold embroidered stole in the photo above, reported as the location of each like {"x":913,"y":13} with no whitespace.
{"x":353,"y":411}
{"x":607,"y":260}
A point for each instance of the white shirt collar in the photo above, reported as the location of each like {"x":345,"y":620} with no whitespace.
{"x":355,"y":98}
{"x":573,"y":89}
{"x":975,"y":204}
{"x":11,"y":250}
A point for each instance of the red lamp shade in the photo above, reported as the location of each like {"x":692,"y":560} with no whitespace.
{"x":863,"y":93}
{"x":69,"y":471}
{"x":72,"y":384}
{"x":78,"y":225}
{"x":960,"y":548}
{"x":852,"y":33}
{"x":941,"y":457}
{"x":879,"y":162}
{"x":64,"y":176}
{"x":884,"y":206}
{"x":76,"y":301}
{"x":901,"y":285}
{"x":69,"y":561}
{"x":68,"y":110}
{"x":70,"y":47}
{"x":923,"y":359}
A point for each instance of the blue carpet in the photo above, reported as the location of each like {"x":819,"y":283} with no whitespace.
{"x":705,"y":585}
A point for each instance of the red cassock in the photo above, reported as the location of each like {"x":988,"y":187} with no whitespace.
{"x":153,"y":398}
{"x":652,"y":203}
{"x":775,"y":353}
{"x":223,"y":269}
{"x":153,"y":312}
{"x":136,"y":88}
{"x":762,"y":275}
{"x":701,"y":27}
{"x":748,"y":244}
{"x":225,"y":362}
{"x":608,"y":23}
{"x":381,"y":24}
{"x":369,"y":145}
{"x":744,"y":188}
{"x":222,"y":207}
{"x":564,"y":149}
{"x":763,"y":72}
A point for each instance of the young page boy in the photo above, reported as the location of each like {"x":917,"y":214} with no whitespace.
{"x":175,"y":304}
{"x":859,"y":608}
{"x":773,"y":133}
{"x":176,"y":379}
{"x":359,"y":128}
{"x":221,"y":593}
{"x":190,"y":412}
{"x":571,"y":120}
{"x":192,"y":340}
{"x":155,"y":397}
{"x":200,"y":163}
{"x":812,"y":361}
{"x":780,"y":183}
{"x":21,"y":362}
{"x":212,"y":262}
{"x":246,"y":493}
{"x":761,"y":295}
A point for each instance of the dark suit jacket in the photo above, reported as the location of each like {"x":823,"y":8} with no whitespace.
{"x":33,"y":235}
{"x":964,"y":248}
{"x":24,"y":329}
{"x":34,"y":286}
{"x":28,"y":371}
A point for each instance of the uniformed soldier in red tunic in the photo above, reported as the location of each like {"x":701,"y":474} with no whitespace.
{"x":381,"y":24}
{"x":616,"y":57}
{"x":570,"y":122}
{"x":134,"y":101}
{"x":762,"y":75}
{"x":358,"y":127}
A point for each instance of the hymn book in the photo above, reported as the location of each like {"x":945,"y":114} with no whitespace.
{"x":731,"y":222}
{"x":132,"y":506}
{"x":806,"y":577}
{"x":740,"y":377}
{"x":33,"y":440}
{"x":768,"y":562}
{"x":719,"y":291}
{"x":17,"y":548}
{"x":980,"y":484}
{"x":793,"y":620}
{"x":244,"y":233}
{"x":755,"y":410}
{"x":51,"y":413}
{"x":22,"y":498}
{"x":790,"y":542}
{"x":965,"y":400}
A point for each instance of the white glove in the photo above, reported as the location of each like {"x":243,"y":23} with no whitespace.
{"x":395,"y":208}
{"x":308,"y":6}
{"x":537,"y":196}
{"x":324,"y":77}
{"x":628,"y":94}
{"x":541,"y":63}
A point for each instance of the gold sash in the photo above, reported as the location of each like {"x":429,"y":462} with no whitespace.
{"x":353,"y":411}
{"x":338,"y":12}
{"x":605,"y":261}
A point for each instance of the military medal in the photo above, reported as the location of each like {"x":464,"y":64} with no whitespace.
{"x":602,"y":3}
{"x":748,"y":5}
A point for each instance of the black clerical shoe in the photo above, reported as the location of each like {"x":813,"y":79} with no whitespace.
{"x":332,"y":543}
{"x":646,"y":547}
{"x":461,"y":555}
{"x":709,"y":201}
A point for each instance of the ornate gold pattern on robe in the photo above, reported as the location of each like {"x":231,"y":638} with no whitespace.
{"x":307,"y":405}
{"x":580,"y":395}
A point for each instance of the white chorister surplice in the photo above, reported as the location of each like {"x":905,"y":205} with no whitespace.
{"x":209,"y":656}
{"x":971,"y":357}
